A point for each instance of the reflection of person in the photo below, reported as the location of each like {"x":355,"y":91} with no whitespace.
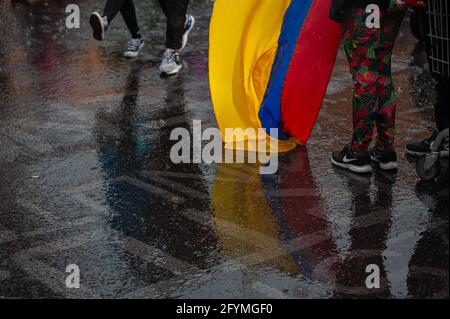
{"x":179,"y":25}
{"x":437,"y":46}
{"x":370,"y":224}
{"x":428,"y":268}
{"x":369,"y":53}
{"x":126,"y":151}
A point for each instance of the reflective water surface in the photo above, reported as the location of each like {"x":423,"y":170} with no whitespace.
{"x":86,"y":179}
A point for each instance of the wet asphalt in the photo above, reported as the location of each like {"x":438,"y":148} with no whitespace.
{"x":86,"y":179}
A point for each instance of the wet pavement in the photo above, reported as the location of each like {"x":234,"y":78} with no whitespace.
{"x":86,"y":179}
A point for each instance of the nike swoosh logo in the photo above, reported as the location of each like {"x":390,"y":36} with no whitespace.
{"x":347,"y":160}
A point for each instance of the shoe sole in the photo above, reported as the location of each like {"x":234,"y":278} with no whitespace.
{"x":389,"y":166}
{"x":131,"y":54}
{"x":416,"y":154}
{"x":444,"y":153}
{"x":353,"y":168}
{"x":97,"y":27}
{"x":186,"y":35}
{"x":173,"y":72}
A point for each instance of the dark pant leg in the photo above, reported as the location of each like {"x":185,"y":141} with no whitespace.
{"x":128,"y":10}
{"x":443,"y":102}
{"x":175,"y":11}
{"x":165,"y":6}
{"x":112,"y":7}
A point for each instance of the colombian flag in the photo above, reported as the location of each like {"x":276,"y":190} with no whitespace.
{"x":270,"y":64}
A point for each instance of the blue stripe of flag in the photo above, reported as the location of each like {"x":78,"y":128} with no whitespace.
{"x":270,"y":110}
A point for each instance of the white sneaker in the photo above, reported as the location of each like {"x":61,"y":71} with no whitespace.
{"x":190,"y":23}
{"x":171,"y":63}
{"x":134,"y":47}
{"x":99,"y":25}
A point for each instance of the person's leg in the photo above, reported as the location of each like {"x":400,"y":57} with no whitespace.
{"x":441,"y":107}
{"x":165,"y":6}
{"x":176,"y":12}
{"x":441,"y":111}
{"x":385,"y":117}
{"x":112,"y":7}
{"x":443,"y":103}
{"x":360,"y":44}
{"x":179,"y":25}
{"x":99,"y":22}
{"x":128,"y":11}
{"x":136,"y":42}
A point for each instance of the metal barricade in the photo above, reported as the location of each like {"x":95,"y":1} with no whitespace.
{"x":438,"y":33}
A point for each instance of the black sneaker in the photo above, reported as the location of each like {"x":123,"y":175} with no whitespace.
{"x":419,"y":149}
{"x":99,"y":25}
{"x":357,"y":163}
{"x":386,"y":160}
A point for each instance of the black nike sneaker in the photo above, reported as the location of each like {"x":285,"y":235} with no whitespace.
{"x":419,"y":149}
{"x":386,"y":160}
{"x":357,"y":163}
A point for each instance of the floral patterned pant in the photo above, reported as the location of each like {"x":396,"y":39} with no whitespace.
{"x":369,"y":53}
